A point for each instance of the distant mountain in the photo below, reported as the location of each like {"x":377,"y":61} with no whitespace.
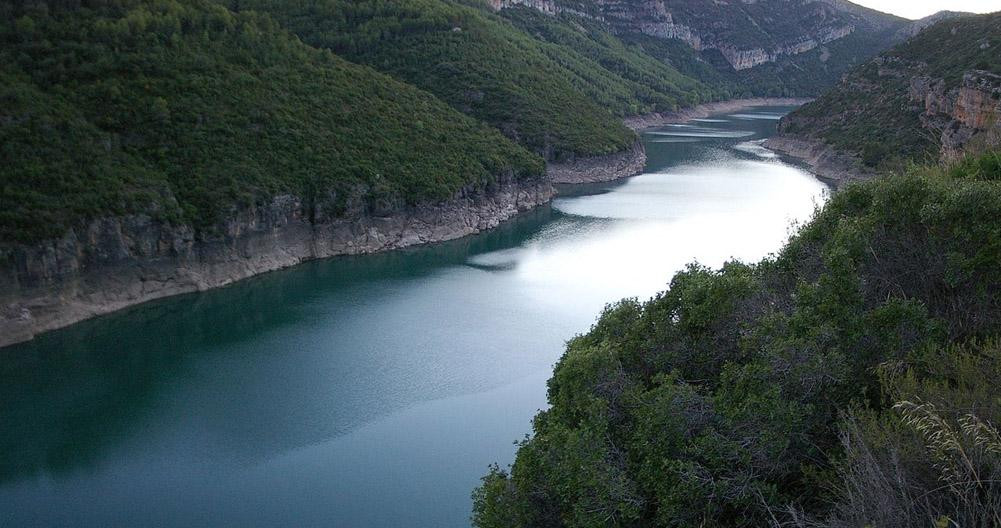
{"x":554,"y":75}
{"x":770,"y":47}
{"x":747,"y":34}
{"x":937,"y":95}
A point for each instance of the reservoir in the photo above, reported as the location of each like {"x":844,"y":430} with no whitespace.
{"x":369,"y":391}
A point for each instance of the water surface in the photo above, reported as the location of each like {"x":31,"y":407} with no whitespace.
{"x":368,"y":391}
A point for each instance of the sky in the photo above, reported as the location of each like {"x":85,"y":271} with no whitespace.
{"x":923,"y":8}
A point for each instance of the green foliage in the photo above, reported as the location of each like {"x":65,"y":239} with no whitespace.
{"x":186,"y":111}
{"x":952,"y":47}
{"x":536,"y":94}
{"x":801,"y":75}
{"x":720,"y":401}
{"x":873,"y":113}
{"x":619,"y":77}
{"x":932,"y":455}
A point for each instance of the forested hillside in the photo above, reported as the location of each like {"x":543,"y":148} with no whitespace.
{"x":551,"y":99}
{"x":937,"y":94}
{"x":848,"y":381}
{"x":186,"y":111}
{"x":557,"y":81}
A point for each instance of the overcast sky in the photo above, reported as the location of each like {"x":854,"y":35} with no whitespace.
{"x":922,"y":8}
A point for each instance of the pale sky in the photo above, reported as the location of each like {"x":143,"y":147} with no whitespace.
{"x":923,"y":8}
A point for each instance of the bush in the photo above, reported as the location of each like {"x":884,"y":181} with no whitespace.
{"x":781,"y":393}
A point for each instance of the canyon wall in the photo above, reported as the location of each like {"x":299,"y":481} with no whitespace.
{"x":112,"y":263}
{"x":966,"y":117}
{"x":746,"y":34}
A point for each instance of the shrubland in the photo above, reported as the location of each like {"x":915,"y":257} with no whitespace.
{"x":849,"y":380}
{"x":187,"y":111}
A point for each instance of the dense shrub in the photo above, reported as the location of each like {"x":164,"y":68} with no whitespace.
{"x":874,"y":111}
{"x":752,"y":395}
{"x":184,"y":110}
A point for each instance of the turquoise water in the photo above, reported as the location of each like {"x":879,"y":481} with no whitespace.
{"x":368,"y":391}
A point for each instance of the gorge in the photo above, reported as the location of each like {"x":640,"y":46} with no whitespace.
{"x":199,"y":405}
{"x":508,"y":263}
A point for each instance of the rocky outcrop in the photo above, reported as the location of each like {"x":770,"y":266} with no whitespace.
{"x":708,"y":27}
{"x":112,"y":263}
{"x":935,"y":96}
{"x":549,"y":7}
{"x":546,"y":6}
{"x":746,"y":34}
{"x":965,"y":117}
{"x":742,"y":59}
{"x":835,"y":167}
{"x":600,"y":168}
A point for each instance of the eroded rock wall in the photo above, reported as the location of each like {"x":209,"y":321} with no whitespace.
{"x":966,"y":118}
{"x":112,"y":263}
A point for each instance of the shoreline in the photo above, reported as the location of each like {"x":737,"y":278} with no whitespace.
{"x":596,"y":169}
{"x":113,"y":263}
{"x":646,"y":121}
{"x":834,"y":167}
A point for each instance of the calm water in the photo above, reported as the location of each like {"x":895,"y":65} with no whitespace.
{"x":368,"y":391}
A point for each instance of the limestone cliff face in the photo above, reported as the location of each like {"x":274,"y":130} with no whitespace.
{"x":746,"y":33}
{"x":966,"y":117}
{"x":110,"y":263}
{"x":546,"y":6}
{"x":937,"y":95}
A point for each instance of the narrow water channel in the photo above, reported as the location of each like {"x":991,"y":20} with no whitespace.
{"x":368,"y":391}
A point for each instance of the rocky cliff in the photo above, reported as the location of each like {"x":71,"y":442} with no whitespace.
{"x":935,"y":96}
{"x":964,"y":118}
{"x":746,"y":34}
{"x":111,"y":263}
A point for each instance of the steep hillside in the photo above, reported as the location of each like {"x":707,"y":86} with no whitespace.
{"x":769,"y":47}
{"x":848,"y":381}
{"x":935,"y":95}
{"x":919,"y":25}
{"x":555,"y":75}
{"x":156,"y":147}
{"x":479,"y":64}
{"x":185,"y":110}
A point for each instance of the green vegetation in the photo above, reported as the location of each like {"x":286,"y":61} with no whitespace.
{"x":637,"y":82}
{"x":186,"y":111}
{"x":873,"y":112}
{"x":190,"y":110}
{"x":474,"y":60}
{"x":952,"y":47}
{"x":848,"y":381}
{"x":555,"y":84}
